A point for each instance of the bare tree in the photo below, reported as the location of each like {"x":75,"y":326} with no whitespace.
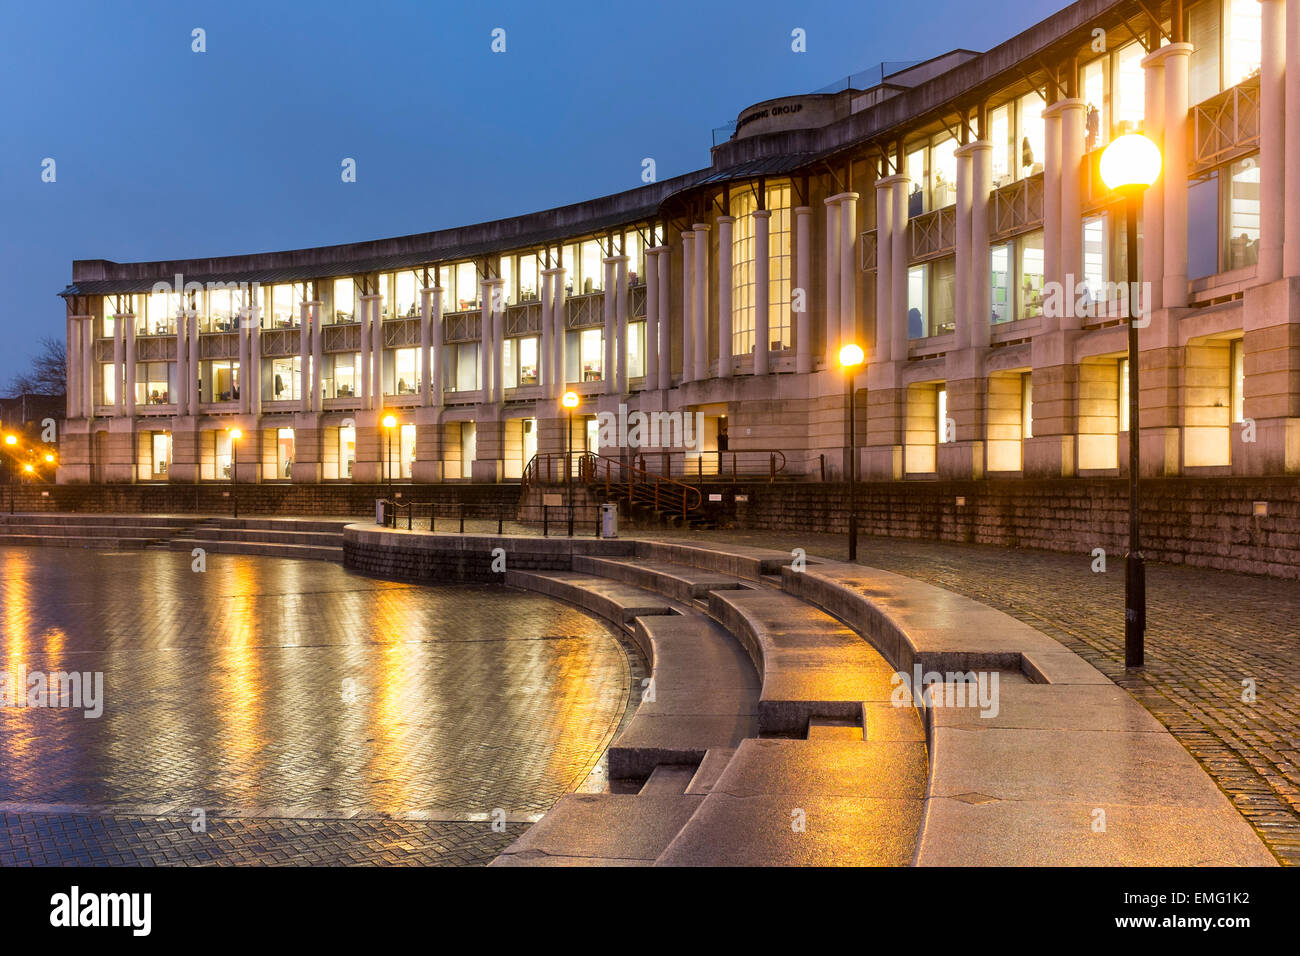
{"x":48,"y":374}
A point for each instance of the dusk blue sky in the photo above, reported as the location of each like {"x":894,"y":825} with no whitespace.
{"x":165,"y":153}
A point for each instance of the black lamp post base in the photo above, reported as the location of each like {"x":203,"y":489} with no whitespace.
{"x":1135,"y":608}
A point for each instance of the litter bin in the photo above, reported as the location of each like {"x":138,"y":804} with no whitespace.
{"x":381,"y":515}
{"x":609,"y":520}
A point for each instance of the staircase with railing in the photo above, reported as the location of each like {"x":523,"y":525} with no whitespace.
{"x":663,"y":497}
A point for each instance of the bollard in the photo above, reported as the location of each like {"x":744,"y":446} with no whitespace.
{"x":546,"y":527}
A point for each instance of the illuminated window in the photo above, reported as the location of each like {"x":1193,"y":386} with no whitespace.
{"x":528,"y":278}
{"x":528,"y":360}
{"x":1123,"y":395}
{"x":1032,"y":134}
{"x":347,"y":450}
{"x":108,"y":386}
{"x":1095,"y":91}
{"x":159,"y":318}
{"x":1130,"y":90}
{"x":635,"y":350}
{"x":1000,"y":136}
{"x":1242,"y":23}
{"x":467,"y":287}
{"x":160,"y":448}
{"x":941,"y":404}
{"x":406,"y":444}
{"x":402,"y":372}
{"x":916,"y":173}
{"x":282,"y":379}
{"x":1002,"y":281}
{"x":943,"y":296}
{"x":1027,"y":405}
{"x":591,"y":355}
{"x":406,"y":293}
{"x":285,"y":310}
{"x":1238,"y":360}
{"x":591,"y":268}
{"x":918,"y":301}
{"x":219,"y":381}
{"x":744,"y":292}
{"x":345,"y":303}
{"x":943,"y":173}
{"x":1241,"y":214}
{"x":1031,"y":275}
{"x":284,"y":453}
{"x":339,"y":374}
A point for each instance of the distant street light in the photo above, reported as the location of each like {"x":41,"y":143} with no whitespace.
{"x":851,"y":359}
{"x":10,"y":441}
{"x":389,"y":422}
{"x":570,"y":401}
{"x":1129,"y":165}
{"x":235,"y":435}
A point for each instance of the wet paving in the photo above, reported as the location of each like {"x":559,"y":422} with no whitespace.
{"x":287,"y":711}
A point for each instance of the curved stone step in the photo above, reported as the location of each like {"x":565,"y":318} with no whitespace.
{"x":812,"y":665}
{"x":677,"y":581}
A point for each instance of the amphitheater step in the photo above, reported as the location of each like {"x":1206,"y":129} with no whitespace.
{"x":809,"y":803}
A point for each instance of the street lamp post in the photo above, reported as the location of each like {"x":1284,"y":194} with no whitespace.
{"x":851,"y":358}
{"x":570,"y":402}
{"x":235,"y":435}
{"x":389,"y":424}
{"x":1130,"y":165}
{"x":10,"y":442}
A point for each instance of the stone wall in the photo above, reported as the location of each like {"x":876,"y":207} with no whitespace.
{"x":1202,"y":522}
{"x":341,"y":500}
{"x":453,"y":558}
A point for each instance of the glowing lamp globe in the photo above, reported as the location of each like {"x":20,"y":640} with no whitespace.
{"x":570,"y":400}
{"x":11,"y":439}
{"x":851,"y":356}
{"x":1130,"y":161}
{"x":389,"y":421}
{"x":236,"y":434}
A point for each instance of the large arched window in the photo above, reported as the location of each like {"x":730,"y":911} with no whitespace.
{"x":743,"y":294}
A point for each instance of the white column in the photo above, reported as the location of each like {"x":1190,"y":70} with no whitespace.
{"x":848,"y":267}
{"x":438,"y":353}
{"x":180,"y":396}
{"x":72,"y":385}
{"x":980,"y":306}
{"x":426,"y":347}
{"x":620,"y":323}
{"x":962,"y":244}
{"x":1051,"y":203}
{"x":665,"y":319}
{"x":608,"y":374}
{"x":377,"y":353}
{"x":1291,"y":185}
{"x":898,"y":266}
{"x":561,"y":318}
{"x":119,"y":361}
{"x":304,"y":357}
{"x":688,"y":306}
{"x":884,"y":268}
{"x":762,"y":289}
{"x":252,"y":387}
{"x":1175,"y":174}
{"x":192,"y":384}
{"x":803,"y":281}
{"x":130,"y":366}
{"x":90,"y":368}
{"x":1073,"y":122}
{"x":366,"y":339}
{"x":701,"y":354}
{"x":652,"y":318}
{"x":1272,"y":138}
{"x":1153,"y":200}
{"x":498,"y":339}
{"x":725,"y":358}
{"x":546,"y":364}
{"x":833,"y":235}
{"x":485,"y":339}
{"x":317,"y":356}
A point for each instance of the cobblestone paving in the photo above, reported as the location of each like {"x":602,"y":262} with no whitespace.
{"x":1207,"y":632}
{"x":313,"y":715}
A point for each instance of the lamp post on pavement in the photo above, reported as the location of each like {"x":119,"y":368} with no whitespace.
{"x":11,"y":442}
{"x":235,"y":435}
{"x":851,"y":358}
{"x":570,"y":401}
{"x":1129,"y":165}
{"x":389,"y":423}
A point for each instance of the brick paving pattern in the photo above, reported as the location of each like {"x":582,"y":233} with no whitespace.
{"x":316,"y":716}
{"x":1207,"y":632}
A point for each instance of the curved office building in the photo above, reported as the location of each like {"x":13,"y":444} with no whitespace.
{"x":948,"y":216}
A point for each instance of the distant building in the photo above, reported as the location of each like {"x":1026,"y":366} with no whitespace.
{"x":948,"y":216}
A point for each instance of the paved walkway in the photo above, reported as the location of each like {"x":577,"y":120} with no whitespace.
{"x":313,"y":715}
{"x":1207,"y":632}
